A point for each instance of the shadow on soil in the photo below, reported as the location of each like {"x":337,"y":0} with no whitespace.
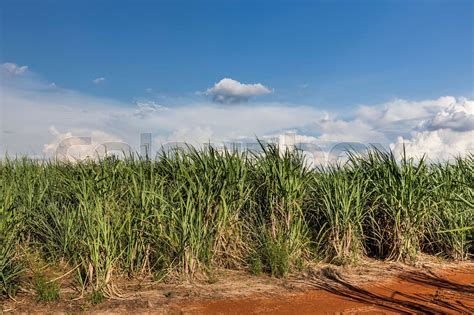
{"x":437,"y":295}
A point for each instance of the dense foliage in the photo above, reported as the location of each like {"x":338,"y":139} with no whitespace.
{"x":191,"y":211}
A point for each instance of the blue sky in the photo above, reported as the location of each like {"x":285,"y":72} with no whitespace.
{"x":398,"y":73}
{"x":321,"y":53}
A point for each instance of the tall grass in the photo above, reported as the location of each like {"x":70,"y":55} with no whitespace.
{"x":401,"y":198}
{"x":453,"y":208}
{"x":281,"y":192}
{"x":11,"y":265}
{"x":341,"y":212}
{"x":191,"y":211}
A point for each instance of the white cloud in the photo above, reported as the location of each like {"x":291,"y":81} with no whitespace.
{"x":355,"y":130}
{"x":146,"y":108}
{"x":441,"y":127}
{"x":232,"y":91}
{"x":14,"y":69}
{"x":458,"y":116}
{"x":98,"y":80}
{"x":399,"y":115}
{"x":80,"y":114}
{"x":441,"y":144}
{"x":447,"y":133}
{"x":80,"y":148}
{"x":400,"y":109}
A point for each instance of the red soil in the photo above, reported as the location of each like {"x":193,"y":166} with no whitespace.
{"x":448,"y":292}
{"x":379,"y":288}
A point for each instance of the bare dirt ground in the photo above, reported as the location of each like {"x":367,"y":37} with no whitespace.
{"x":371,"y":288}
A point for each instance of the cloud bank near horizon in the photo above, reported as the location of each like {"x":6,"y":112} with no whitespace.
{"x":36,"y":116}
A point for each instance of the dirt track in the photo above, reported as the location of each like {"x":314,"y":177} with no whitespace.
{"x":371,"y":289}
{"x":451,"y":291}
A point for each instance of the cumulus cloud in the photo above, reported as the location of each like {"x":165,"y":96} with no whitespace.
{"x":443,"y":144}
{"x":232,"y":91}
{"x":447,"y":133}
{"x":14,"y":69}
{"x":441,"y":128}
{"x":401,"y":116}
{"x":98,"y":80}
{"x":458,"y":116}
{"x":404,"y":110}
